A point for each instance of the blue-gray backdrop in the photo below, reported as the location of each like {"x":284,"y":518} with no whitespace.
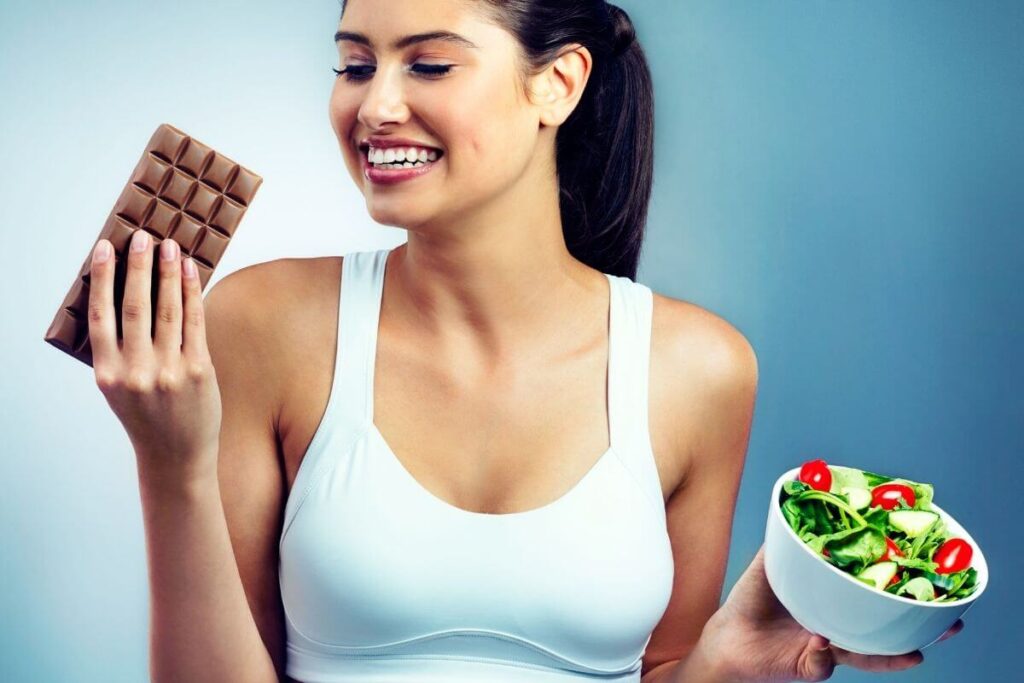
{"x":840,"y":180}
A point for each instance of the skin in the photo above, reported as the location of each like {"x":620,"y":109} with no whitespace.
{"x":482,"y":307}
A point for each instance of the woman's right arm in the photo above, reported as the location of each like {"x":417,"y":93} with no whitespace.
{"x":212,"y":543}
{"x":209,"y":479}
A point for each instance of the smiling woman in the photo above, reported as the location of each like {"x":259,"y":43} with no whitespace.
{"x":488,"y":453}
{"x":486,"y":79}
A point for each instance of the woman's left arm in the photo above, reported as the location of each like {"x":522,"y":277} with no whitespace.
{"x":707,"y":381}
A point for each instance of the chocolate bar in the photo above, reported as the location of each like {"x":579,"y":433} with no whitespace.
{"x":180,"y":189}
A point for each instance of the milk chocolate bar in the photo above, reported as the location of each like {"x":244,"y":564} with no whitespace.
{"x":180,"y":189}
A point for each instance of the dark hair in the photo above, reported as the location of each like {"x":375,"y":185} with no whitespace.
{"x":604,"y":149}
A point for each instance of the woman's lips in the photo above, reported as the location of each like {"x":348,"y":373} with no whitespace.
{"x":380,"y":176}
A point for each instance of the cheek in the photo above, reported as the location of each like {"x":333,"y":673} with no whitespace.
{"x":487,"y":134}
{"x":339,"y":110}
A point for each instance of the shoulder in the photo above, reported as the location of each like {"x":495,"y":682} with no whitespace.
{"x":268,"y":299}
{"x":259,"y":315}
{"x":278,"y":279}
{"x":703,"y":345}
{"x":707,"y":377}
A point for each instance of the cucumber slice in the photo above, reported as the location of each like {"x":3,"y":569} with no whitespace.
{"x":920,"y":587}
{"x":880,"y":573}
{"x":912,"y":522}
{"x":860,"y":499}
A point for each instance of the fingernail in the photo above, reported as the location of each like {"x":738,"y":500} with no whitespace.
{"x":140,"y":240}
{"x":102,"y":252}
{"x":168,"y":249}
{"x":189,"y":267}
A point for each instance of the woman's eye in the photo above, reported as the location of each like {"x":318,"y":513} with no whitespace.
{"x":360,"y":73}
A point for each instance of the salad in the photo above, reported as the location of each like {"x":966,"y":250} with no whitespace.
{"x":881,"y":530}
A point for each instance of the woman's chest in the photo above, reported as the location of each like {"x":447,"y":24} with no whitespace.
{"x":514,"y":443}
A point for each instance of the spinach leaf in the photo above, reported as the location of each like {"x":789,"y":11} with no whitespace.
{"x":877,"y":517}
{"x":791,"y":511}
{"x":855,"y":549}
{"x":792,"y":488}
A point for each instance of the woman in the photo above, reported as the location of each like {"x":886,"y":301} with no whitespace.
{"x":480,"y":539}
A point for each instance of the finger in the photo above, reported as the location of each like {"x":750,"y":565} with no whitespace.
{"x":819,"y":662}
{"x":168,"y":314}
{"x":194,"y":328}
{"x":101,"y":320}
{"x":881,"y":663}
{"x":953,"y":630}
{"x":136,"y":321}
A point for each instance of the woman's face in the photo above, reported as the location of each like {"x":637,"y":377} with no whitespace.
{"x":471,"y":107}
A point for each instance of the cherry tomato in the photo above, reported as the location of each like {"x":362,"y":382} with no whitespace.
{"x":888,"y":495}
{"x":895,"y":579}
{"x":891,"y":550}
{"x":953,"y":556}
{"x":815,"y":473}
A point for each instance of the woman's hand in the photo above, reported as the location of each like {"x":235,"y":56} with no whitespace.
{"x":162,"y":387}
{"x":756,"y":639}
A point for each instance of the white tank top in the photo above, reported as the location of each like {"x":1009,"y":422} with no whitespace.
{"x":382,"y":581}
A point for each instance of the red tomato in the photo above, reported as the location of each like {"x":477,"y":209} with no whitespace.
{"x":825,"y":552}
{"x":815,"y":473}
{"x":953,"y":556}
{"x":891,"y":550}
{"x":888,"y":495}
{"x":895,"y":579}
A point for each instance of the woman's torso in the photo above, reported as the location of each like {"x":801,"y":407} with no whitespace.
{"x":398,"y":566}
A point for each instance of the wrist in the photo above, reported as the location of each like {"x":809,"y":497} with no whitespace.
{"x":709,"y":661}
{"x":175,"y":483}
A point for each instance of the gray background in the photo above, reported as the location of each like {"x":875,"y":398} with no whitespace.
{"x":841,"y":181}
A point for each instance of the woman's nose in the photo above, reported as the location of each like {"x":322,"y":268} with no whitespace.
{"x":383,"y":101}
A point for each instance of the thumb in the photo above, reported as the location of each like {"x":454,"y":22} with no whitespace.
{"x":818,"y":661}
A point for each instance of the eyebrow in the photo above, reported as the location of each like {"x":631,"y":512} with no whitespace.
{"x":446,"y":36}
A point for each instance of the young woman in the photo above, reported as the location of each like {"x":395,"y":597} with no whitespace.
{"x":487,"y":454}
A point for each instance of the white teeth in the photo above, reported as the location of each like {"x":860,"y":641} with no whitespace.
{"x":400,"y":155}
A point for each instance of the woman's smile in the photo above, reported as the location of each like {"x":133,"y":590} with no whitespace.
{"x":387,"y":169}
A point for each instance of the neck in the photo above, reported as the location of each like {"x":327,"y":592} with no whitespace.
{"x":492,"y":301}
{"x":493,"y":284}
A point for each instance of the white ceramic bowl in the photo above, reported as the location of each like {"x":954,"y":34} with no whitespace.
{"x":854,"y":616}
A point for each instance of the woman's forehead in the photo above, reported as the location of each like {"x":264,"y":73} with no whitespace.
{"x":401,"y":16}
{"x":393,"y":25}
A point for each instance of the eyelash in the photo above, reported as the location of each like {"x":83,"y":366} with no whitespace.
{"x":430,"y":71}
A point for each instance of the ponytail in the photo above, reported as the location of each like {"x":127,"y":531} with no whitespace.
{"x":604,"y":150}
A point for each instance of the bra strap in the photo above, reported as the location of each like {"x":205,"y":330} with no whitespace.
{"x":358,"y":318}
{"x":629,"y":372}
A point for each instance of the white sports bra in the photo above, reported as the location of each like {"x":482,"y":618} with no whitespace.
{"x":382,"y":581}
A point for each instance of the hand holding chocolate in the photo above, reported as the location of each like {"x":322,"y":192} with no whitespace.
{"x":180,"y":189}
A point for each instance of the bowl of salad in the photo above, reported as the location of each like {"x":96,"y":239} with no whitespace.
{"x":867,"y":560}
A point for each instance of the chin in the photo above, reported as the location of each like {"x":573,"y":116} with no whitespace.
{"x":396,"y":215}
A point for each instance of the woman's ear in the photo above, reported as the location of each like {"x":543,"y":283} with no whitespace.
{"x":557,"y":89}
